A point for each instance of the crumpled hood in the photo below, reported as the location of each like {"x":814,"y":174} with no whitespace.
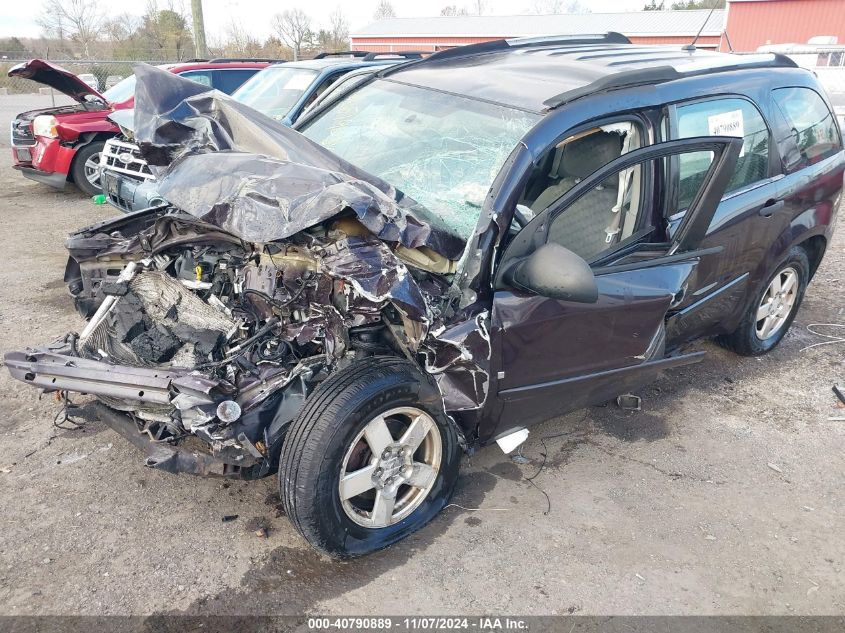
{"x":235,"y":168}
{"x":58,"y":78}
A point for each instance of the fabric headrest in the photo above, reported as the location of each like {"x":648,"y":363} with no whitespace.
{"x":585,"y":155}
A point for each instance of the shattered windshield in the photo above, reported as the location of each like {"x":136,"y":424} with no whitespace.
{"x":442,"y":150}
{"x":275,"y":90}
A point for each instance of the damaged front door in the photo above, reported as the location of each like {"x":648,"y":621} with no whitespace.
{"x":559,"y":348}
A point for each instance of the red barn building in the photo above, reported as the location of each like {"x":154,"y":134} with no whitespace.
{"x":753,"y":23}
{"x":744,"y":26}
{"x":438,"y":33}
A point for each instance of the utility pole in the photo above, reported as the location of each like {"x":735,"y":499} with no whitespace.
{"x":199,"y":30}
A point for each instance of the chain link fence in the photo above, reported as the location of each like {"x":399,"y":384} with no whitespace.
{"x":104,"y":73}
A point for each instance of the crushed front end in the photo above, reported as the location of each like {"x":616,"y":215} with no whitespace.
{"x":211,"y":318}
{"x":204,"y":336}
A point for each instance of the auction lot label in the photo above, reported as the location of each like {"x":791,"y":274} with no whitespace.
{"x":420,"y":623}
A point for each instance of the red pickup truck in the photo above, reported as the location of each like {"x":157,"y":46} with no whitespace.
{"x":63,"y":143}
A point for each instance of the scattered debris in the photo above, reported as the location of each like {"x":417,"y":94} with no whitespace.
{"x":229,"y":518}
{"x":640,"y":577}
{"x":259,"y":526}
{"x":709,"y":537}
{"x":839,"y":390}
{"x":6,"y":469}
{"x":629,"y":402}
{"x":775,"y":467}
{"x":520,"y":459}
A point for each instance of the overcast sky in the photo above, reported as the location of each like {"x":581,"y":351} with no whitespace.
{"x":18,"y":18}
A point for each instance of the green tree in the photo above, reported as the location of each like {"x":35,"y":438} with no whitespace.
{"x":165,"y":34}
{"x":655,"y":6}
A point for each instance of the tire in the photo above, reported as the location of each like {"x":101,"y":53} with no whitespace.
{"x":329,"y":435}
{"x":78,"y":169}
{"x":746,"y":340}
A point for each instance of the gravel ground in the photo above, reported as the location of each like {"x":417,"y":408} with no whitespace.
{"x":723,"y":496}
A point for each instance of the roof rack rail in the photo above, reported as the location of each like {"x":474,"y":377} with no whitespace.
{"x":192,"y":61}
{"x":610,"y":37}
{"x":663,"y":74}
{"x":468,"y":50}
{"x":324,"y":54}
{"x":224,"y":60}
{"x":403,"y":54}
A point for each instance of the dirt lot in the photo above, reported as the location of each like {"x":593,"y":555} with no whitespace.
{"x":723,"y":496}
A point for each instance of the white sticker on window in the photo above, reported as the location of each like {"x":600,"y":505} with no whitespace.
{"x":727,"y":124}
{"x":299,"y":82}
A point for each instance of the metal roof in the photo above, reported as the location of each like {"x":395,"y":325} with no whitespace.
{"x":633,"y":23}
{"x":537,"y":75}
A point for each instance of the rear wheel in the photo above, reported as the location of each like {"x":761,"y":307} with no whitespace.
{"x":370,"y":459}
{"x":773,"y":309}
{"x":86,"y":168}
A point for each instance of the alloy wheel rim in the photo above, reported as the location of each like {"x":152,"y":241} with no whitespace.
{"x":384,"y":479}
{"x":776,"y":304}
{"x":92,"y":169}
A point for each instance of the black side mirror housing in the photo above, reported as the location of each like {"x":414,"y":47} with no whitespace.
{"x":555,"y":272}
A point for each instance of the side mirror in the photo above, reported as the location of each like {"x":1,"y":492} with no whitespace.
{"x":555,"y":272}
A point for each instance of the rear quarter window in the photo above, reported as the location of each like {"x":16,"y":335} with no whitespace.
{"x":813,"y":132}
{"x":722,"y":117}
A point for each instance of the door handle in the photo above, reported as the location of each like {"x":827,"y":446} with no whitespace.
{"x":770,"y":207}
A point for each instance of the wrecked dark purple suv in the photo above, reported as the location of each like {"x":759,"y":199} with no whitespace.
{"x":459,"y":248}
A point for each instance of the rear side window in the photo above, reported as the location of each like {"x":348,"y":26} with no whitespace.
{"x":231,"y":79}
{"x":200,"y":76}
{"x":722,"y":117}
{"x":813,"y":129}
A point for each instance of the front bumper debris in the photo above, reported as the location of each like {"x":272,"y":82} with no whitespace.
{"x":56,"y":180}
{"x":194,"y":395}
{"x":55,"y":371}
{"x":171,"y":459}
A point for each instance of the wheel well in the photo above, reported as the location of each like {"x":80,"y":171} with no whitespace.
{"x":815,"y":247}
{"x":87,"y":140}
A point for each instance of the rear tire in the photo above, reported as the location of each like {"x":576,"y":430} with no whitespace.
{"x":83,"y":162}
{"x":349,"y":488}
{"x":751,"y":338}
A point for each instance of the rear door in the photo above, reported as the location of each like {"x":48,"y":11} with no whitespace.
{"x":749,"y":219}
{"x":553,"y":356}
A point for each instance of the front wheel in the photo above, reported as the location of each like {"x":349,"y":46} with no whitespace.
{"x":773,"y":309}
{"x":370,"y":459}
{"x":86,"y":168}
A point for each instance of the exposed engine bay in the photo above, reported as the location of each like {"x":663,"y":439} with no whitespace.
{"x":210,"y":336}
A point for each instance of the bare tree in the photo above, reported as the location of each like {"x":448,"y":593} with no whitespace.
{"x":79,"y":20}
{"x":384,"y":10}
{"x":122,"y":27}
{"x":239,"y":42}
{"x":293,"y":27}
{"x":339,"y":29}
{"x":480,"y":7}
{"x":453,"y":10}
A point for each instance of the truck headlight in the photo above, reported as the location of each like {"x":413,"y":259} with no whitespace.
{"x":45,"y":125}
